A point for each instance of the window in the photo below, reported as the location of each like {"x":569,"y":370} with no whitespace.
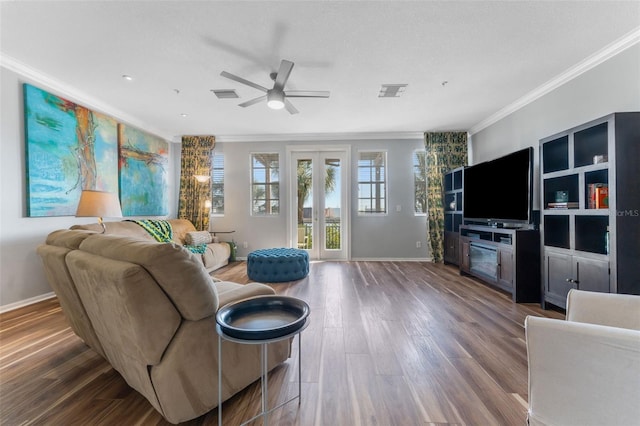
{"x":420,"y":181}
{"x":265,"y":184}
{"x":217,"y":185}
{"x":372,"y":182}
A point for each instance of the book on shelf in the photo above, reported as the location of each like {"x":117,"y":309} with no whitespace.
{"x":602,"y":198}
{"x":563,"y":205}
{"x":598,"y":196}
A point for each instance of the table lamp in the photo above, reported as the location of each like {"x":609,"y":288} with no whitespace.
{"x":98,"y":204}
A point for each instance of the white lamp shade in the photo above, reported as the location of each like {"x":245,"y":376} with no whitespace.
{"x":202,"y":178}
{"x":98,"y":204}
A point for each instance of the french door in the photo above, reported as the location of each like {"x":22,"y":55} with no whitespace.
{"x":319,"y":210}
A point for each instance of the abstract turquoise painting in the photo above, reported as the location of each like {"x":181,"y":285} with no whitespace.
{"x":143,"y":172}
{"x":69,"y":148}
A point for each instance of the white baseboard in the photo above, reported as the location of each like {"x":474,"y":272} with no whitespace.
{"x":26,"y":302}
{"x":390,"y":259}
{"x":371,"y":259}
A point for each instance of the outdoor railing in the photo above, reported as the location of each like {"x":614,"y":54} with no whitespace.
{"x":332,"y":233}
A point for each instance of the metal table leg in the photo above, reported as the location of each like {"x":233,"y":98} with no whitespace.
{"x":219,"y":380}
{"x":264,"y":364}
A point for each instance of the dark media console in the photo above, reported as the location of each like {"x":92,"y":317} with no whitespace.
{"x":490,"y":233}
{"x":506,"y":258}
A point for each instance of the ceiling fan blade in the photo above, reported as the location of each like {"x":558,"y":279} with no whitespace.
{"x":289,"y":106}
{"x":307,"y":93}
{"x":253,"y":101}
{"x":243,"y":81}
{"x":283,"y":74}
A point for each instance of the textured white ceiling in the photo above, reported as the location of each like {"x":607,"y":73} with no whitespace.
{"x":490,"y":53}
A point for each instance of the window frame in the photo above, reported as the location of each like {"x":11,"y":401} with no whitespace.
{"x":415,"y":166}
{"x":384,"y":181}
{"x":213,"y":183}
{"x":268,"y":182}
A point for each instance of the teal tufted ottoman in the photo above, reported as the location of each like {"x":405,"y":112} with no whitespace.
{"x":277,"y":265}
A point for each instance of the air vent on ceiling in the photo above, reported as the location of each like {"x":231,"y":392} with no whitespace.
{"x":391,"y":90}
{"x":226,"y":94}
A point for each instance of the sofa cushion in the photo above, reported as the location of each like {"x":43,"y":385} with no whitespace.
{"x":130,"y":313}
{"x":197,"y":238}
{"x":180,"y":227}
{"x":124,"y":228}
{"x":128,"y":228}
{"x":66,"y":238}
{"x":179,"y":272}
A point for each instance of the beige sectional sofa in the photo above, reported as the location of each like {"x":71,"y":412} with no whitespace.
{"x":215,"y":256}
{"x":149,"y":309}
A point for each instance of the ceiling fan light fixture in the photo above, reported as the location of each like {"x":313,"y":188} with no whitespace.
{"x":275,"y":104}
{"x":277,"y":96}
{"x":275,"y":99}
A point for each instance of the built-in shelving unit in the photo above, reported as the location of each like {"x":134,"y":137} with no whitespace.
{"x":452,"y":202}
{"x":506,"y":258}
{"x":590,"y":208}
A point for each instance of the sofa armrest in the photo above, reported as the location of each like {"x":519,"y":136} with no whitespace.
{"x":615,"y":310}
{"x":582,"y":374}
{"x":216,"y":256}
{"x":229,"y":292}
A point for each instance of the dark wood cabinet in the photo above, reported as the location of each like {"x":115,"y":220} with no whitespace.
{"x":451,"y":247}
{"x":590,"y":208}
{"x":452,"y":204}
{"x":464,"y":255}
{"x":506,"y":258}
{"x":557,"y":277}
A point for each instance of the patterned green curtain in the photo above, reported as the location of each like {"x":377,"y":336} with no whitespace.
{"x":195,"y":161}
{"x":445,"y":151}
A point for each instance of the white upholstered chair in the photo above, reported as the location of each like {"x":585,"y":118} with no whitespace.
{"x":586,"y":370}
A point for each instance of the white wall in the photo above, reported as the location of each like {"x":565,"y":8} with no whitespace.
{"x":22,"y":278}
{"x":21,"y":274}
{"x":391,"y":236}
{"x":613,"y":86}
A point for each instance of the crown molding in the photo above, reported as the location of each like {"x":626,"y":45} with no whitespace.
{"x":580,"y":68}
{"x":313,"y":137}
{"x":73,"y":94}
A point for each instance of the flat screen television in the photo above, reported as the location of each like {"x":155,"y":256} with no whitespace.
{"x":499,"y":192}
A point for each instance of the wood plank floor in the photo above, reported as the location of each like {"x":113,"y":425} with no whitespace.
{"x":389,"y":343}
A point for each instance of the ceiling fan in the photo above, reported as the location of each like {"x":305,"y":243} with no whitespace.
{"x":276,"y":97}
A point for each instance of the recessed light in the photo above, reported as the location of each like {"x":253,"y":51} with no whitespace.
{"x":183,"y":115}
{"x":127,"y":77}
